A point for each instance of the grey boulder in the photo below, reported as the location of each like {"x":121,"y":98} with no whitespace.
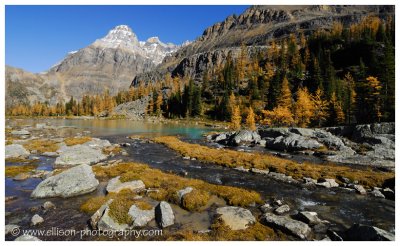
{"x":295,"y":227}
{"x":72,"y":182}
{"x":236,"y":218}
{"x":15,"y":151}
{"x":140,"y":217}
{"x":164,"y":214}
{"x":78,"y":155}
{"x":115,"y":185}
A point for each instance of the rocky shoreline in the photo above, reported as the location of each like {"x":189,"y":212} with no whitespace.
{"x":367,"y":145}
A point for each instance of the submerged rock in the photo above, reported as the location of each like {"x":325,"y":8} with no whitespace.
{"x":360,"y":232}
{"x":72,"y":182}
{"x":140,"y":217}
{"x":79,"y":154}
{"x":164,"y":214}
{"x":48,"y":205}
{"x":295,"y":227}
{"x":15,"y":151}
{"x":235,"y":217}
{"x":115,"y":185}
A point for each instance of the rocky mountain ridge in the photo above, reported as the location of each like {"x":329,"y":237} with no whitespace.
{"x":255,"y":27}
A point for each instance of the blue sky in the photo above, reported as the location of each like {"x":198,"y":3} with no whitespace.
{"x":37,"y":37}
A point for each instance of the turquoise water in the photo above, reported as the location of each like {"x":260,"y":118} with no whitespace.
{"x":123,"y":127}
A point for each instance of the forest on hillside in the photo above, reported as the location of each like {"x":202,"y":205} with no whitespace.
{"x":345,"y":75}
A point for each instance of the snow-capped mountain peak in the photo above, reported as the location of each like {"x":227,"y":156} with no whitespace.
{"x":123,"y":37}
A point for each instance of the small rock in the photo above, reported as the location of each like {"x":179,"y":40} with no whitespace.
{"x":186,"y":157}
{"x":48,"y":205}
{"x":377,"y":193}
{"x":164,"y":214}
{"x":95,"y":218}
{"x":140,"y":217}
{"x":327,"y":183}
{"x":183,"y":192}
{"x":236,"y":218}
{"x":115,"y":185}
{"x":360,"y":189}
{"x":242,"y":169}
{"x":27,"y":238}
{"x":36,"y":219}
{"x":295,"y":227}
{"x":22,"y":176}
{"x":11,"y":198}
{"x":282,"y":209}
{"x":277,"y":202}
{"x":310,"y":218}
{"x":8,"y":229}
{"x":79,"y":154}
{"x":265,"y":208}
{"x":125,"y":145}
{"x":260,"y":171}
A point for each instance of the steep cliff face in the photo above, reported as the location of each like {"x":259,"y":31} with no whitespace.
{"x":255,"y":27}
{"x":109,"y":63}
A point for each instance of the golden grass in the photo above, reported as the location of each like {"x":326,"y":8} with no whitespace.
{"x":221,"y":232}
{"x":168,"y":184}
{"x":231,"y":158}
{"x":42,"y":145}
{"x":196,"y":199}
{"x":76,"y":140}
{"x":12,"y":171}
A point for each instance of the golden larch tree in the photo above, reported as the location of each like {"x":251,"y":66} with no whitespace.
{"x":250,"y":120}
{"x":320,"y":107}
{"x":303,"y":108}
{"x":236,"y":118}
